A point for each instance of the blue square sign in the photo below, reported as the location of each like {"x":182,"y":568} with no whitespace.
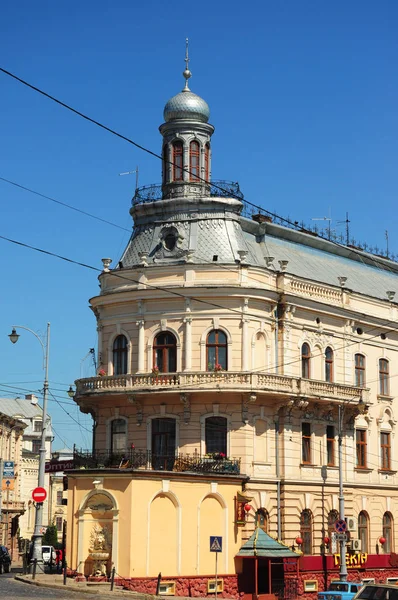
{"x":215,"y":543}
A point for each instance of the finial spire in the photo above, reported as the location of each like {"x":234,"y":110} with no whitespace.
{"x":187,"y":73}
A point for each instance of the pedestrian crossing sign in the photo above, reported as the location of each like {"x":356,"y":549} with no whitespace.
{"x":215,"y":543}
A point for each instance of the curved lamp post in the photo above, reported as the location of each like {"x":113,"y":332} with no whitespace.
{"x":37,"y":534}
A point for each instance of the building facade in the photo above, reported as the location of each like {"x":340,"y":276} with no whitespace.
{"x":235,"y":354}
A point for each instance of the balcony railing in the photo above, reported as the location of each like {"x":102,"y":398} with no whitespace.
{"x":13,"y":506}
{"x":218,"y":189}
{"x":284,"y":385}
{"x":146,"y":460}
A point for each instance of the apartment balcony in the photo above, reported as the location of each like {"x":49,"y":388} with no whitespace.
{"x":13,"y":506}
{"x":146,"y":460}
{"x":283,"y":386}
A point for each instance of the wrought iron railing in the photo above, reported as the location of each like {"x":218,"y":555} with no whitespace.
{"x":143,"y":459}
{"x":218,"y":189}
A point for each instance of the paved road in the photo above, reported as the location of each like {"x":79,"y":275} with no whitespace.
{"x":9,"y":588}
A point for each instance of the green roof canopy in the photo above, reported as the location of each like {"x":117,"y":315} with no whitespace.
{"x":263,"y":545}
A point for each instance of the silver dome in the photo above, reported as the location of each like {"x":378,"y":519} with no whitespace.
{"x":186,"y":105}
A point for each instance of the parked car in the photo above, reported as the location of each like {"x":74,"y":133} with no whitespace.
{"x":48,"y":554}
{"x":5,"y":560}
{"x":340,"y":590}
{"x":378,"y":591}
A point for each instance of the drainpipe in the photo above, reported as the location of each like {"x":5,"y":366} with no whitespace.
{"x":278,"y":481}
{"x":276,"y":340}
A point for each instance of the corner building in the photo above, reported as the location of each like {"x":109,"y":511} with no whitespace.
{"x":228,"y":347}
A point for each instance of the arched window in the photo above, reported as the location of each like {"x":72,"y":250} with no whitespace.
{"x":118,"y":435}
{"x":194,"y":161}
{"x":387,"y":532}
{"x":329,"y":364}
{"x":207,"y":162}
{"x":261,"y":519}
{"x":306,"y":531}
{"x":216,"y":350}
{"x":178,"y":152}
{"x":384,"y":377}
{"x":363,"y":530}
{"x":165,"y":163}
{"x":332,"y":518}
{"x":216,"y":435}
{"x":305,"y":361}
{"x":165,"y":352}
{"x":120,"y":355}
{"x":360,"y":379}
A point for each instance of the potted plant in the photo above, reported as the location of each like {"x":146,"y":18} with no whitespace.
{"x":101,"y":372}
{"x":218,"y":367}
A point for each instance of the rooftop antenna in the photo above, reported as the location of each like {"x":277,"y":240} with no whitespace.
{"x":347,"y":229}
{"x":386,"y":234}
{"x":329,"y":218}
{"x":136,"y":176}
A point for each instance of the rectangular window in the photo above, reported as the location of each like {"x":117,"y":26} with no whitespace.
{"x":385,"y":447}
{"x":58,"y":523}
{"x":36,"y":446}
{"x":330,"y":445}
{"x":59,"y":497}
{"x":360,"y":370}
{"x":37,"y":426}
{"x":384,"y":377}
{"x":361,"y":448}
{"x":306,"y":443}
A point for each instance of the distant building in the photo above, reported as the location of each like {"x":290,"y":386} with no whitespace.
{"x":11,"y":506}
{"x":228,"y":348}
{"x":30,"y":413}
{"x":57,"y":493}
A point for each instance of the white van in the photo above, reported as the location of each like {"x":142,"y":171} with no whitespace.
{"x":49,"y":555}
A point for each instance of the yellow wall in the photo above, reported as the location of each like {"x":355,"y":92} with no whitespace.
{"x":156,"y":525}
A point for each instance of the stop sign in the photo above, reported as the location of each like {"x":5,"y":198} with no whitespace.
{"x":39,"y":494}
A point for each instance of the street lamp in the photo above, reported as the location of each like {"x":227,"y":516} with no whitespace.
{"x":37,"y":534}
{"x":343,"y":539}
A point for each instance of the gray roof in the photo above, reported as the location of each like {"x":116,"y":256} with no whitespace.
{"x":18,"y":407}
{"x":210,"y":228}
{"x":263,"y":545}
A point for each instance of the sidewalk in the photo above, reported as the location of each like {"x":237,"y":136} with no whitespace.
{"x":100,"y":589}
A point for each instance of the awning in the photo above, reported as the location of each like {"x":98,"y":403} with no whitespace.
{"x":263,"y":545}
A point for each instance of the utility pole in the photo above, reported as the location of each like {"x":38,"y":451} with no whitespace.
{"x":343,"y":538}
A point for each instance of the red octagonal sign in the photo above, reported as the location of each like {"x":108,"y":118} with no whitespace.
{"x":39,"y":494}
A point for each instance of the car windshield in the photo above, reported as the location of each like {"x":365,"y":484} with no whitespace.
{"x":336,"y":586}
{"x":378,"y":593}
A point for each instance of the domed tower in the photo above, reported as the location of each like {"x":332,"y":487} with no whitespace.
{"x":186,"y":143}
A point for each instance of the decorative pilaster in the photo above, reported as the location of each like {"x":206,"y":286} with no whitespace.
{"x":141,"y":342}
{"x":188,"y":343}
{"x":133,"y":400}
{"x":187,"y":407}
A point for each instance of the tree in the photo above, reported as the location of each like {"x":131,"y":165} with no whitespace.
{"x":50,"y":538}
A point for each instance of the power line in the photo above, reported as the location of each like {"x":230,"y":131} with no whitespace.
{"x":386,"y":323}
{"x":294,"y":224}
{"x":83,"y":212}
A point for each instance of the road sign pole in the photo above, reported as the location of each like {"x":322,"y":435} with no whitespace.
{"x":216,"y":575}
{"x":343,"y":547}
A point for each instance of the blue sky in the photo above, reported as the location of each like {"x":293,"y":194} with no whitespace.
{"x":303,"y":96}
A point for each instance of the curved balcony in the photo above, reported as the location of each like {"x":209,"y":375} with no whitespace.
{"x":209,"y":381}
{"x":218,"y":189}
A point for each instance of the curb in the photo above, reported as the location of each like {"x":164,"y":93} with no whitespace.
{"x":70,"y":587}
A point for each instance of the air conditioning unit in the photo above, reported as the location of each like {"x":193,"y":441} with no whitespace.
{"x":352,"y":523}
{"x":356,"y":545}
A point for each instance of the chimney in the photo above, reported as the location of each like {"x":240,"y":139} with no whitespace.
{"x":33,"y":399}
